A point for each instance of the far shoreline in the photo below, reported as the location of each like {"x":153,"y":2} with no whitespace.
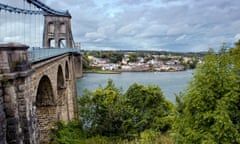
{"x":119,"y":72}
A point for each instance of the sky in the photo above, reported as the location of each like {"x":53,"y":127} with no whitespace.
{"x":168,"y":25}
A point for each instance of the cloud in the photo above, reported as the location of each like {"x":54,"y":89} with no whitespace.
{"x":173,"y":25}
{"x":133,"y":2}
{"x":237,"y":37}
{"x":180,"y":38}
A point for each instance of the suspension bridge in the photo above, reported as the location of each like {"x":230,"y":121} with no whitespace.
{"x":39,"y":64}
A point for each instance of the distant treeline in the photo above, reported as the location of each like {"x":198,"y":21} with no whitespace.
{"x":145,"y":52}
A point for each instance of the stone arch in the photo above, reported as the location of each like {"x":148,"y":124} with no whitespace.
{"x":61,"y":90}
{"x":45,"y":107}
{"x":52,"y":43}
{"x":45,"y":92}
{"x":62,"y":43}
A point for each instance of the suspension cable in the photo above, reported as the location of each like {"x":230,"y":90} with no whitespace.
{"x":30,"y":27}
{"x":18,"y":10}
{"x":5,"y":15}
{"x":24,"y":21}
{"x":35,"y":30}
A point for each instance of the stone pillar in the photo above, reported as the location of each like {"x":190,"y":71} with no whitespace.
{"x":15,"y":71}
{"x":13,"y":58}
{"x":2,"y":116}
{"x":72,"y":85}
{"x":14,"y":131}
{"x":78,"y":66}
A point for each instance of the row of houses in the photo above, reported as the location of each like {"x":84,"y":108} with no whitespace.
{"x":140,"y":65}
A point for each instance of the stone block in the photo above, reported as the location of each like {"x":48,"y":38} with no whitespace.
{"x":10,"y":110}
{"x":21,"y":87}
{"x":1,"y":108}
{"x":21,"y":95}
{"x":1,"y":100}
{"x":22,"y":108}
{"x":7,"y":99}
{"x":10,"y":91}
{"x":12,"y":122}
{"x":2,"y":117}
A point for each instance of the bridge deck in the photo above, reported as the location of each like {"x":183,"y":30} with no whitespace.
{"x":37,"y":54}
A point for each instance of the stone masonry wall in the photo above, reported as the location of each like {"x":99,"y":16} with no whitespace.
{"x":19,"y":117}
{"x":2,"y":118}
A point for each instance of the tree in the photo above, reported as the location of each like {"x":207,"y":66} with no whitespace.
{"x":86,"y":61}
{"x":108,"y":112}
{"x":115,"y":57}
{"x":101,"y":111}
{"x":209,"y":110}
{"x":133,"y":57}
{"x":147,"y":109}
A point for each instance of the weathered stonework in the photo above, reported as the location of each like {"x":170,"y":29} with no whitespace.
{"x":57,"y":28}
{"x":2,"y":117}
{"x":33,"y":97}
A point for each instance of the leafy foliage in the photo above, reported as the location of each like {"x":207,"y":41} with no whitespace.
{"x":209,"y":111}
{"x":147,"y":109}
{"x":109,"y":112}
{"x":67,"y":133}
{"x":100,"y":111}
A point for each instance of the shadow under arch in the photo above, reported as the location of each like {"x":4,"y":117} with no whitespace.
{"x":45,"y":108}
{"x":66,"y":71}
{"x":61,"y":92}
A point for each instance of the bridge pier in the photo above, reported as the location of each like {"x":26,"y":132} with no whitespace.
{"x":36,"y":93}
{"x":17,"y":118}
{"x":34,"y":96}
{"x":2,"y":117}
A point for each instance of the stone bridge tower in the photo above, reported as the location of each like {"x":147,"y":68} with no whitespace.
{"x":57,"y":31}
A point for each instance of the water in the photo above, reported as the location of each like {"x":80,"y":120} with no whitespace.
{"x":171,"y":83}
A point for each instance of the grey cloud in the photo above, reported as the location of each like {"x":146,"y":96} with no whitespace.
{"x":191,"y":26}
{"x":133,"y":2}
{"x":176,"y":25}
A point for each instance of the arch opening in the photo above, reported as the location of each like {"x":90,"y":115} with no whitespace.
{"x":62,"y":43}
{"x":44,"y":92}
{"x":61,"y":98}
{"x":52,"y":43}
{"x":45,"y":108}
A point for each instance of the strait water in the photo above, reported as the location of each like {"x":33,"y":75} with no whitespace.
{"x":171,"y":83}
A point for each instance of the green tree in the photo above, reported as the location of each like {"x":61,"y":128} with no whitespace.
{"x":101,"y":111}
{"x":108,"y":112}
{"x":146,"y":109}
{"x":86,"y":62}
{"x":70,"y":133}
{"x":133,"y":57}
{"x":209,"y":110}
{"x":116,"y":57}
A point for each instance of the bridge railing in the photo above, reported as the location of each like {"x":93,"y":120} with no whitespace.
{"x":37,"y":54}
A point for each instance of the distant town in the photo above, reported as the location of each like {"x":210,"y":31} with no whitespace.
{"x":95,"y":61}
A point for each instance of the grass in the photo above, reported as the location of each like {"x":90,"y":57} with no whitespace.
{"x":108,"y":72}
